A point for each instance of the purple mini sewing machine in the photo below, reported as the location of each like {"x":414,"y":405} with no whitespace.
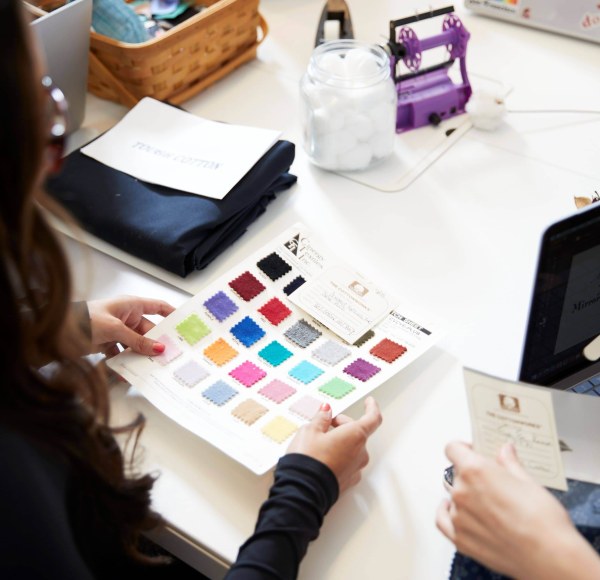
{"x":428,"y":96}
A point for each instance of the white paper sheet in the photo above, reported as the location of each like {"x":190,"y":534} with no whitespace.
{"x":248,"y":424}
{"x":166,"y":146}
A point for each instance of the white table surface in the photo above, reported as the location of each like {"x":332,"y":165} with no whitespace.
{"x":460,"y":243}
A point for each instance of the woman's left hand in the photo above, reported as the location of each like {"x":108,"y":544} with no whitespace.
{"x":121,"y":320}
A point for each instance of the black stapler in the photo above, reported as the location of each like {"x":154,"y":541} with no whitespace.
{"x":336,"y":10}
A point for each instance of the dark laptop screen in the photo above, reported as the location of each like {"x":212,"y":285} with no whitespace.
{"x":565,"y":307}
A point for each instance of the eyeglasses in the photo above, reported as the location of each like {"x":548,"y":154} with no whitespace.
{"x":58,"y":118}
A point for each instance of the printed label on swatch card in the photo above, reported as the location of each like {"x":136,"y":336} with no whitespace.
{"x":504,"y":411}
{"x":344,"y":302}
{"x":334,"y":295}
{"x":397,"y":325}
{"x":300,"y":247}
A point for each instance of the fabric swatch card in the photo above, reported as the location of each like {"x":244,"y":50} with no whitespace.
{"x":245,"y":367}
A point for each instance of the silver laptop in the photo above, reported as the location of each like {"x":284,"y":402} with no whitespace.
{"x":64,"y":36}
{"x":564,"y":317}
{"x":579,"y":18}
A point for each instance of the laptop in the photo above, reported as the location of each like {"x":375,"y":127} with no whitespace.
{"x":562,"y":349}
{"x":64,"y":37}
{"x":578,"y":18}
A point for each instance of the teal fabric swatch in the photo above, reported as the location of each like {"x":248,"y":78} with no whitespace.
{"x":275,"y":353}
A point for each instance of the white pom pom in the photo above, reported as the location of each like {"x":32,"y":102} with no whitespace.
{"x":333,"y":64}
{"x":360,"y":126}
{"x":334,"y":144}
{"x":327,"y":120}
{"x":382,"y":144}
{"x":361,"y":62}
{"x":383,"y":117}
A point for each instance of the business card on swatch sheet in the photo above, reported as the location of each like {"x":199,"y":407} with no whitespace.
{"x":344,"y":301}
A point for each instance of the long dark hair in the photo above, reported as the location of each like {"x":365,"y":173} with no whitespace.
{"x":67,"y":413}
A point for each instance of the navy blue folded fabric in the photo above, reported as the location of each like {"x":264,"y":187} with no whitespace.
{"x":178,"y":231}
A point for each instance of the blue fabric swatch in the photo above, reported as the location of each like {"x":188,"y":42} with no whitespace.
{"x":219,"y":393}
{"x":247,"y":331}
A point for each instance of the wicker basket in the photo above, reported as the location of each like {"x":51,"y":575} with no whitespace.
{"x":184,"y":61}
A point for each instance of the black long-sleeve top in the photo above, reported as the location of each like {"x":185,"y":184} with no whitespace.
{"x":40,"y":538}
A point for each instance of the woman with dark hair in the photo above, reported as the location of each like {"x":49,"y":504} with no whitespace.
{"x":71,"y":504}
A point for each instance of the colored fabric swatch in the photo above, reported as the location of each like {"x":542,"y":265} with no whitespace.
{"x":248,"y":373}
{"x":331,"y":352}
{"x":305,"y":372}
{"x":219,"y":393}
{"x":388,"y":350}
{"x":274,"y":266}
{"x":249,"y":411}
{"x":302,"y":333}
{"x":336,"y":388}
{"x":246,"y":286}
{"x":221,"y":306}
{"x":247,"y":331}
{"x":192,"y":329}
{"x":190,"y":374}
{"x":277,"y":391}
{"x":364,"y":338}
{"x":275,"y":311}
{"x":279,"y":429}
{"x":275,"y":353}
{"x":220,"y":352}
{"x":361,"y":369}
{"x":171,"y":352}
{"x":307,"y":407}
{"x":294,"y":285}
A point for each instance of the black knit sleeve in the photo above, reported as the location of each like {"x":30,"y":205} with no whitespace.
{"x":303,"y":492}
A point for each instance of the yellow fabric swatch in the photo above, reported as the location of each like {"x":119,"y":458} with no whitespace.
{"x":279,"y":429}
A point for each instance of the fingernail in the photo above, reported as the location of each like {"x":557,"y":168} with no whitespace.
{"x":326,"y":407}
{"x":158,"y":347}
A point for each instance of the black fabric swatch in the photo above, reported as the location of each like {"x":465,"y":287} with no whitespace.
{"x":274,"y":266}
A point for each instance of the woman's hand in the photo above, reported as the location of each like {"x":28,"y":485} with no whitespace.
{"x":121,"y":320}
{"x":501,"y":517}
{"x":343,"y":448}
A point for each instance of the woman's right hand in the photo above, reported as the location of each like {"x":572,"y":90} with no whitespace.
{"x":344,"y":448}
{"x":501,"y":517}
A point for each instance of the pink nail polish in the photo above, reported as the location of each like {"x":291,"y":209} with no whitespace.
{"x":158,"y":347}
{"x":325,"y":407}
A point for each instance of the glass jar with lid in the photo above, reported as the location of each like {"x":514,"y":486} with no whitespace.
{"x":349,"y":106}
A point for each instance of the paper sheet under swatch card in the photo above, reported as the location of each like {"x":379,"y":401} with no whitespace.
{"x":504,"y":411}
{"x":244,"y":366}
